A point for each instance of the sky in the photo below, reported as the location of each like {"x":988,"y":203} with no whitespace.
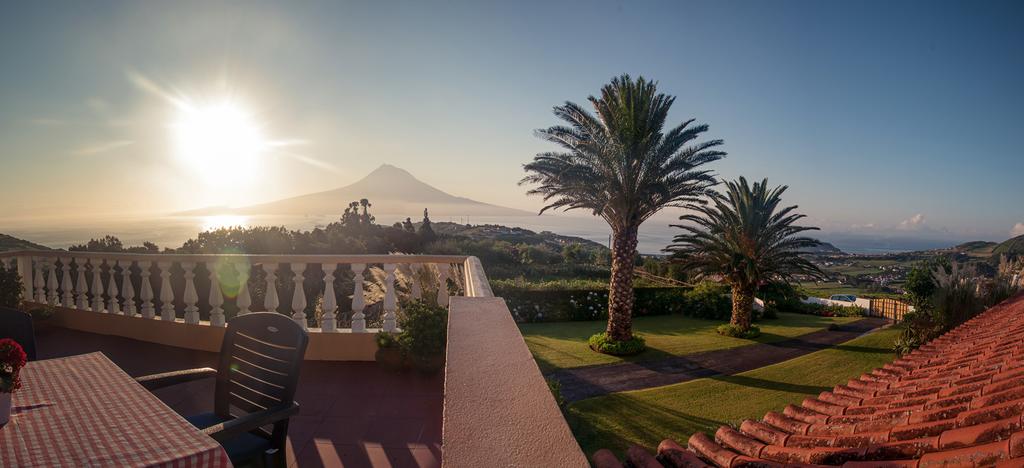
{"x":885,"y":118}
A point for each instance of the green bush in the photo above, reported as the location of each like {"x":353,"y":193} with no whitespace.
{"x":424,"y":329}
{"x":602,"y":344}
{"x":831,"y":310}
{"x":708,"y":300}
{"x":10,"y":288}
{"x":735,"y":332}
{"x":560,"y":305}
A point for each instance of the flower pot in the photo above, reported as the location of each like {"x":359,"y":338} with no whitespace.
{"x":390,"y":358}
{"x":5,"y":408}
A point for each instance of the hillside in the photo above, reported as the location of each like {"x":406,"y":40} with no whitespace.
{"x":13,"y":243}
{"x":511,"y":234}
{"x":1014,"y":246}
{"x":824,"y":248}
{"x":391,"y":190}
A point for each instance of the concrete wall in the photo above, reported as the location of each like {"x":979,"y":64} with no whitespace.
{"x":498,"y":410}
{"x":335,"y":346}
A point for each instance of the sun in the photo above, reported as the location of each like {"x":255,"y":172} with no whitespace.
{"x":220,"y":140}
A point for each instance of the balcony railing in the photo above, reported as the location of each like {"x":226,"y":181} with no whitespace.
{"x":323,"y":293}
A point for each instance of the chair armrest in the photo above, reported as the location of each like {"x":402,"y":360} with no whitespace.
{"x":252,"y":421}
{"x":155,"y":381}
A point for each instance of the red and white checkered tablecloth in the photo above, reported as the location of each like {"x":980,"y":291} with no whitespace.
{"x":84,"y":411}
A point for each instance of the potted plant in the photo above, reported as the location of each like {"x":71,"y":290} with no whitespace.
{"x":424,"y":334}
{"x":12,"y":359}
{"x":389,"y":354}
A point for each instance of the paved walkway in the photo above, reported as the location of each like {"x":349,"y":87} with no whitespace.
{"x":586,"y":382}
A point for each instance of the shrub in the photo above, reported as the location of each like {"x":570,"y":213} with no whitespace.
{"x":553,"y":305}
{"x":602,"y":344}
{"x":735,"y":332}
{"x":424,"y":329}
{"x":709,"y":300}
{"x":831,"y":310}
{"x":10,"y":288}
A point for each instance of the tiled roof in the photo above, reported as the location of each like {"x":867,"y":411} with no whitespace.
{"x":956,"y":401}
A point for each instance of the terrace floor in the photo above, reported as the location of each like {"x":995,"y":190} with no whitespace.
{"x":354,"y":414}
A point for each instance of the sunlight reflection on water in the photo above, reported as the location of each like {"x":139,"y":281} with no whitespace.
{"x":211,"y":223}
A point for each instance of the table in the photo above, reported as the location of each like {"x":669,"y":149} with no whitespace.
{"x":83,"y":410}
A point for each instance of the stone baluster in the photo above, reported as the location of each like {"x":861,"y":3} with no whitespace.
{"x":166,"y":292}
{"x":358,"y":301}
{"x":67,"y":298}
{"x":38,"y":281}
{"x":390,"y":298}
{"x":190,"y":297}
{"x":146,"y":290}
{"x":299,"y":295}
{"x":97,"y":286}
{"x":51,"y":282}
{"x":329,"y":306}
{"x":244,"y":300}
{"x":128,"y":289}
{"x":112,"y":305}
{"x":270,"y":301}
{"x":442,"y":284}
{"x":82,"y":285}
{"x":216,"y":297}
{"x":414,"y":281}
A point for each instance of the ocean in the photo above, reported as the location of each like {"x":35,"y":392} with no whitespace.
{"x":172,"y":231}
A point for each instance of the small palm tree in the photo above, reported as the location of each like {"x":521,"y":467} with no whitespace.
{"x":622,"y":166}
{"x":744,"y":237}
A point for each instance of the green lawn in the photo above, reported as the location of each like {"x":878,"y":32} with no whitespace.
{"x":560,"y":345}
{"x":646,"y":417}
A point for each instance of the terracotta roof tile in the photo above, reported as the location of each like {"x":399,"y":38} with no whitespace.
{"x":957,"y":401}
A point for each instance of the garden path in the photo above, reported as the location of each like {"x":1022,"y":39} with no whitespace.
{"x":586,"y":382}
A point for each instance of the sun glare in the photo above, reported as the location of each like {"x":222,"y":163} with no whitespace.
{"x":220,"y":140}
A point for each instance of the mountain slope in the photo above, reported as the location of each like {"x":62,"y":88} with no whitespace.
{"x":1014,"y":246}
{"x":13,"y":243}
{"x":391,"y":190}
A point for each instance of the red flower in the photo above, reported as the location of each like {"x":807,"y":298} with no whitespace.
{"x":12,"y":359}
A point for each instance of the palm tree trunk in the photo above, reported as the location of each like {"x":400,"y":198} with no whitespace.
{"x":742,"y":305}
{"x":620,"y":288}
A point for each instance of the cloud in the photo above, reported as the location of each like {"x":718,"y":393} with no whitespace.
{"x":1018,"y":230}
{"x":102,"y":147}
{"x":914,"y":222}
{"x":867,"y":226}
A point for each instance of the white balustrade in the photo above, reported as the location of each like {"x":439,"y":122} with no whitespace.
{"x":358,"y":299}
{"x":127,"y":288}
{"x":390,"y":299}
{"x":244,"y":300}
{"x":51,"y":281}
{"x":299,"y":295}
{"x":216,"y":298}
{"x":105,"y":283}
{"x":329,"y":305}
{"x":67,"y":297}
{"x":146,"y":290}
{"x":113,"y":306}
{"x":97,"y":286}
{"x":190,"y":296}
{"x":81,"y":285}
{"x":166,"y":292}
{"x":38,"y":282}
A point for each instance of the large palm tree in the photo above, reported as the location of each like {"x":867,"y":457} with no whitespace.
{"x":744,"y":237}
{"x":623,"y":166}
